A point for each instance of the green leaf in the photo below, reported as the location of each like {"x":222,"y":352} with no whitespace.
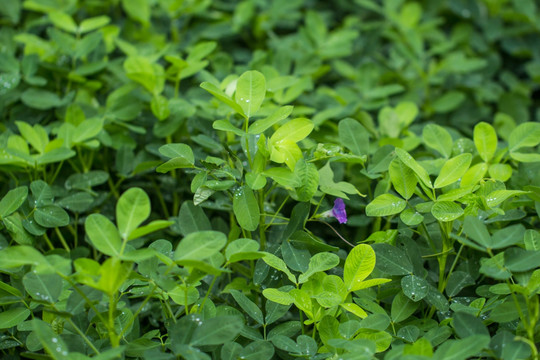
{"x":497,"y":197}
{"x":457,"y":281}
{"x":246,"y":208}
{"x":216,"y":331}
{"x":414,"y":287}
{"x":87,"y":130}
{"x":402,"y":178}
{"x":409,"y":161}
{"x":275,"y":311}
{"x":293,"y":131}
{"x":359,"y":264}
{"x":411,"y":217}
{"x":485,"y":140}
{"x":214,"y":90}
{"x":453,"y":170}
{"x":103,"y":234}
{"x":438,"y":138}
{"x":51,"y":216}
{"x":296,"y":259}
{"x":40,"y":99}
{"x":250,"y":92}
{"x":283,"y":177}
{"x":43,"y":287}
{"x":508,"y":236}
{"x":192,"y":218}
{"x":476,"y":230}
{"x":308,"y":176}
{"x":200,"y":245}
{"x":319,"y":262}
{"x":138,"y":10}
{"x":13,"y":317}
{"x":15,"y":256}
{"x":280,"y":114}
{"x":385,"y":205}
{"x":257,"y":350}
{"x":353,"y":136}
{"x":132,"y":209}
{"x":13,"y":200}
{"x":55,"y":155}
{"x":242,"y":249}
{"x":63,"y":21}
{"x":474,"y":175}
{"x":524,"y":135}
{"x":446,"y":210}
{"x":462,"y":349}
{"x":448,"y":102}
{"x":181,"y":157}
{"x":392,"y":260}
{"x":278,"y":264}
{"x":402,"y":307}
{"x":36,"y":135}
{"x":149,"y":228}
{"x":248,"y":306}
{"x":93,"y":23}
{"x":501,"y":172}
{"x":278,"y":296}
{"x":225,"y":125}
{"x":53,"y":343}
{"x":518,"y":259}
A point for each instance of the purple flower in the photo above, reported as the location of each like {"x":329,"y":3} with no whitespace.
{"x":338,"y":211}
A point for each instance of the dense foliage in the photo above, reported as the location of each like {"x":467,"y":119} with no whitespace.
{"x":204,"y":179}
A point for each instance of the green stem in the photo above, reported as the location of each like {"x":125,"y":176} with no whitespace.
{"x":62,"y":239}
{"x":207,"y":293}
{"x":85,"y":338}
{"x":48,"y":241}
{"x":277,"y":212}
{"x":115,"y":339}
{"x":262,"y":220}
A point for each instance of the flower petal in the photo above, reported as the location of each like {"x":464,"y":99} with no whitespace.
{"x":339,"y":211}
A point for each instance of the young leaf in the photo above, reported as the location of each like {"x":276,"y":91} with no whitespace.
{"x":485,"y":140}
{"x":409,"y":161}
{"x":446,"y":210}
{"x":214,"y":90}
{"x":319,"y":262}
{"x":359,"y":264}
{"x":103,"y":234}
{"x":200,"y":245}
{"x":15,"y":256}
{"x":13,"y":200}
{"x":453,"y":170}
{"x":385,"y":205}
{"x":438,"y":138}
{"x":524,"y":135}
{"x":132,"y":209}
{"x":260,"y":126}
{"x":278,"y":264}
{"x":402,"y":178}
{"x":308,"y":176}
{"x":246,"y":209}
{"x":250,"y":92}
{"x":294,"y":131}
